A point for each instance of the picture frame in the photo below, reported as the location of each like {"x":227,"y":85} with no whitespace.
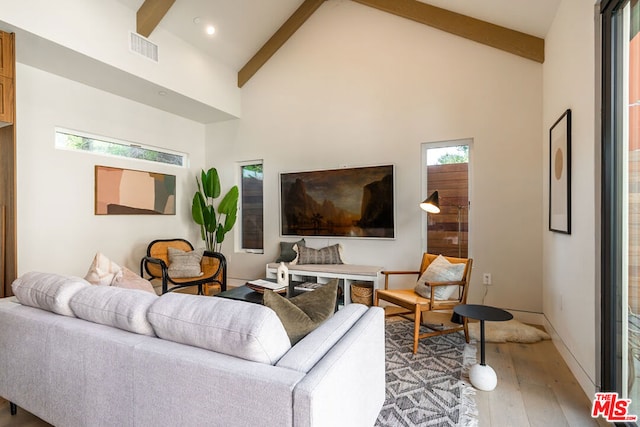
{"x":560,"y":174}
{"x":349,"y":202}
{"x":133,"y":192}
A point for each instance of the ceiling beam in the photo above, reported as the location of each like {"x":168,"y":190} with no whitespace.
{"x":515,"y":42}
{"x":150,"y":14}
{"x":278,"y":39}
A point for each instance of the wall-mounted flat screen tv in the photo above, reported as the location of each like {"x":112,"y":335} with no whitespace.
{"x":345,"y":202}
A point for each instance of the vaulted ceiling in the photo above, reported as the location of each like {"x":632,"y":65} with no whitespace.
{"x":248,"y":32}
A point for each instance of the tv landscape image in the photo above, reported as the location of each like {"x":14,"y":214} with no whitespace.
{"x":347,"y":202}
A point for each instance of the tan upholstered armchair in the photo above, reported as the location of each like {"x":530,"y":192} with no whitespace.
{"x":429,"y":308}
{"x":156,"y":265}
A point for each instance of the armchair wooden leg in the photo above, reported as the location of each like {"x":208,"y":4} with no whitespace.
{"x":416,"y":328}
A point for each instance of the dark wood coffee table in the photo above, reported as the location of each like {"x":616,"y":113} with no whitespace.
{"x":244,"y":293}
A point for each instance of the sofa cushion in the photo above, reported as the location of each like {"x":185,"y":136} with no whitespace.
{"x":47,"y":291}
{"x":241,"y":329}
{"x":185,"y":263}
{"x":305,"y":312}
{"x":117,"y":307}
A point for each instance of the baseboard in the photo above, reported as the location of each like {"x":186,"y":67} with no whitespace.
{"x":528,"y":317}
{"x":586,"y":383}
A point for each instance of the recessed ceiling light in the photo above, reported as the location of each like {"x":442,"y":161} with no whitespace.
{"x":162,"y":93}
{"x":210,"y":29}
{"x":196,"y":20}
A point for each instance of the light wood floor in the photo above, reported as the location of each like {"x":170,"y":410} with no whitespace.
{"x":535,"y":388}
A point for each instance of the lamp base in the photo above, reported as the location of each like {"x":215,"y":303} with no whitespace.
{"x":483,"y":377}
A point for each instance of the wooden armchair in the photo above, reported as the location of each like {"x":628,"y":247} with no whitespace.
{"x":429,"y":308}
{"x":156,"y":265}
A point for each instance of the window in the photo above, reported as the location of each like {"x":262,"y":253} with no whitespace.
{"x":251,"y":206}
{"x":447,"y":172}
{"x":74,"y":140}
{"x":620,"y":335}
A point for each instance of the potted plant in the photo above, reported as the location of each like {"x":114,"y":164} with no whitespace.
{"x":214,"y":225}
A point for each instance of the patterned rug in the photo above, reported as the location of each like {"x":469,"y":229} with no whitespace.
{"x":429,"y":388}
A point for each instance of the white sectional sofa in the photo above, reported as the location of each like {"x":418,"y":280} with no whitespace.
{"x":182,"y":360}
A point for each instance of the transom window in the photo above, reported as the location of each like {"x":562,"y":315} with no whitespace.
{"x":101,"y":145}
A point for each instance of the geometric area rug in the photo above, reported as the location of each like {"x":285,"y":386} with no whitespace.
{"x":429,"y":388}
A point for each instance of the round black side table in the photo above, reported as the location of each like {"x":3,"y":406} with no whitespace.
{"x":481,"y":375}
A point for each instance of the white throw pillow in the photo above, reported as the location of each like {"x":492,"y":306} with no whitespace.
{"x":440,"y":270}
{"x":47,"y":291}
{"x":103,"y":271}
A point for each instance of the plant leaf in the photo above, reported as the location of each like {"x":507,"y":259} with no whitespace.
{"x":197,"y":208}
{"x":229,"y":202}
{"x":230,"y":221}
{"x":211,"y":183}
{"x":210,"y":221}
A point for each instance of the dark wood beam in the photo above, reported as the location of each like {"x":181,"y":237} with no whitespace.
{"x":278,"y":39}
{"x":515,"y":42}
{"x":150,"y":14}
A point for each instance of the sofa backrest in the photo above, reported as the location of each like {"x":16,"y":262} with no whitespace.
{"x":249,"y":331}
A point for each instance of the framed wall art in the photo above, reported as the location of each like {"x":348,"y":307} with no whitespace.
{"x":133,"y":192}
{"x":346,"y":202}
{"x":560,"y":174}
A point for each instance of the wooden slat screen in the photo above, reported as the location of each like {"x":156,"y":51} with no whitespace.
{"x":452,"y":183}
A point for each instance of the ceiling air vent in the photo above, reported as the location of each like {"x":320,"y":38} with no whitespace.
{"x":143,"y":46}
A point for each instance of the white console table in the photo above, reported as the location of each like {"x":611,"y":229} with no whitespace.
{"x":322,"y":273}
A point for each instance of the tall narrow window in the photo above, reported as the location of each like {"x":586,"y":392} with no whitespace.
{"x":252,"y":206}
{"x":447,"y":171}
{"x":621,"y":200}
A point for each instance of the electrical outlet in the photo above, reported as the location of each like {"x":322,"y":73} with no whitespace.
{"x":486,"y":279}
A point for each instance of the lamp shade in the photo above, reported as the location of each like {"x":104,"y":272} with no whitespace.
{"x":431,"y":203}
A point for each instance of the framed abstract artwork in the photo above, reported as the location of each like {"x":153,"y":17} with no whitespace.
{"x":560,"y":174}
{"x":133,"y":192}
{"x":346,"y":202}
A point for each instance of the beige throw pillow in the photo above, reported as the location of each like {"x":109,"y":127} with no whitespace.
{"x":440,"y":270}
{"x":131,"y":280}
{"x":185,"y":264}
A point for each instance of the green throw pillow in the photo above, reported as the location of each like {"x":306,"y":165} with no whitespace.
{"x":287,"y":254}
{"x":303,"y":313}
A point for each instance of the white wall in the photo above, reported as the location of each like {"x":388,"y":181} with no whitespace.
{"x":569,"y":261}
{"x":100,"y":29}
{"x":57,"y":228}
{"x":356,"y":86}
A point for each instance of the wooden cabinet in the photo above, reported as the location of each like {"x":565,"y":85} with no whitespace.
{"x":6,"y":100}
{"x":8,"y":237}
{"x":7,"y":57}
{"x":7,"y":67}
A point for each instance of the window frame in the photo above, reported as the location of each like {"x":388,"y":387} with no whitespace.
{"x":240,"y":229}
{"x":120,"y":142}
